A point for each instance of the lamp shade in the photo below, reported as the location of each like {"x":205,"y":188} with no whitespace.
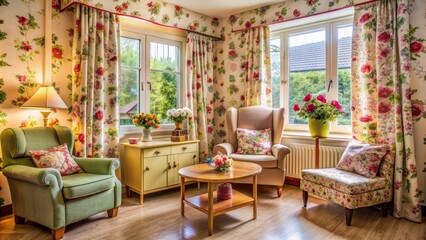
{"x":46,"y":97}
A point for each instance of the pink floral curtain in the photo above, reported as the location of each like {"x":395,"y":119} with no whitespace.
{"x":381,"y":93}
{"x":95,"y":83}
{"x":257,"y":67}
{"x":199,"y":88}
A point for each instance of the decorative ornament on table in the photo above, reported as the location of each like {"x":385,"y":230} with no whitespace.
{"x":319,"y":113}
{"x":178,"y":116}
{"x":220,"y":162}
{"x":146,"y":121}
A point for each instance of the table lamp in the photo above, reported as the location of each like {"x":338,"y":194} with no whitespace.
{"x":45,"y":99}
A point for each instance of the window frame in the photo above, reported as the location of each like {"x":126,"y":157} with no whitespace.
{"x":145,"y":70}
{"x":331,"y":37}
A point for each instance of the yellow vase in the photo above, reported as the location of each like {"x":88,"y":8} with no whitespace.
{"x":318,"y":129}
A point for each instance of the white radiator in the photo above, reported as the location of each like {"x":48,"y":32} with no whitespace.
{"x":302,"y":156}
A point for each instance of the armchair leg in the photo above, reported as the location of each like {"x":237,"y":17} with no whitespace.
{"x":113,"y":212}
{"x":279,"y":191}
{"x":19,"y":220}
{"x":348,"y":213}
{"x":58,"y":233}
{"x":305,"y":198}
{"x":384,"y":207}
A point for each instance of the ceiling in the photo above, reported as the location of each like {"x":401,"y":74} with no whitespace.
{"x":221,"y":8}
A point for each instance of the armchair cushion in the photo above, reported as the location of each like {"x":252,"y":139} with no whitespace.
{"x":58,"y":158}
{"x":362,"y":158}
{"x":343,"y":181}
{"x":85,"y":184}
{"x":265,"y":161}
{"x":254,"y":141}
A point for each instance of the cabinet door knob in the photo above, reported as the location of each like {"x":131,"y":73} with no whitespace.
{"x":169,"y":165}
{"x":147,"y":168}
{"x":174,"y":164}
{"x":194,"y":157}
{"x":156,"y":152}
{"x":184,"y":148}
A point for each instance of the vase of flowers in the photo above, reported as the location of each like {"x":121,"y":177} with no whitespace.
{"x":319,"y":113}
{"x":146,"y":121}
{"x":220,"y":162}
{"x":178,"y":116}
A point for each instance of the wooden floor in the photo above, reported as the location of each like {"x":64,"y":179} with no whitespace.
{"x":285,"y":218}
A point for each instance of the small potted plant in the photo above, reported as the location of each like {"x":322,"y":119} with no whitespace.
{"x":220,"y":162}
{"x":319,"y":113}
{"x":178,"y":116}
{"x":147,"y":121}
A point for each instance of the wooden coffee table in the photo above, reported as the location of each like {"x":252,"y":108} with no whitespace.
{"x":208,"y":202}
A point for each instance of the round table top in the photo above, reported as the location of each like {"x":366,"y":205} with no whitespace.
{"x":205,"y":173}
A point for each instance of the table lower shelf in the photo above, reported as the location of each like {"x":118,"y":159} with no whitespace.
{"x":220,"y":206}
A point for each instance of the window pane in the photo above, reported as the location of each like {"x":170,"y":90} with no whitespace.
{"x":164,"y":87}
{"x":129,"y":94}
{"x":344,"y":35}
{"x":275,"y":71}
{"x":307,"y":62}
{"x":164,"y":57}
{"x":129,"y":52}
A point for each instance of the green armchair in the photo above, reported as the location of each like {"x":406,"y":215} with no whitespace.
{"x":42,"y":195}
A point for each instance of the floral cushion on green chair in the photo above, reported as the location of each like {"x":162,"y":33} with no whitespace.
{"x":254,"y":141}
{"x":362,"y":158}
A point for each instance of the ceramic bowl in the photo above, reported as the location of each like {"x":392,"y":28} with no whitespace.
{"x":133,"y":140}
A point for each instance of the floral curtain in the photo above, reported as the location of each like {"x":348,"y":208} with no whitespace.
{"x":199,"y":84}
{"x":258,"y":67}
{"x":95,"y":83}
{"x":381,"y":93}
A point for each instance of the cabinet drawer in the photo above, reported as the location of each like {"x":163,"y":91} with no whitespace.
{"x":154,"y":152}
{"x":184,"y":148}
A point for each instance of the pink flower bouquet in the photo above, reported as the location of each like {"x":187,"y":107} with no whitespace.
{"x":220,"y":162}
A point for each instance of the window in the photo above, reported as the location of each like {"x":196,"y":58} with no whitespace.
{"x":150,"y":73}
{"x":312,"y":59}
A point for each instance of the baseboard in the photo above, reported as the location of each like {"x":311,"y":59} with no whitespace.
{"x":6,"y":210}
{"x":292,"y":181}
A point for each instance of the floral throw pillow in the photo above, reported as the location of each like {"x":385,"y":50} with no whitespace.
{"x":58,"y":158}
{"x":362,"y":158}
{"x":254,"y":141}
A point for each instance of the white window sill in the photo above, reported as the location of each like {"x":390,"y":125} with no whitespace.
{"x":304,"y":137}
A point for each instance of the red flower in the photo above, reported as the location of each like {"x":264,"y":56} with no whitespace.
{"x":198,"y":85}
{"x":280,"y":18}
{"x":244,"y":65}
{"x":23,"y":20}
{"x":99,"y":115}
{"x":192,"y":27}
{"x":416,"y":47}
{"x":366,"y":118}
{"x":99,"y":26}
{"x":178,"y":8}
{"x":365,"y":18}
{"x":296,"y":13}
{"x":77,"y":68}
{"x":209,"y":129}
{"x":188,"y":62}
{"x":209,"y":109}
{"x":209,"y":80}
{"x":384,"y":107}
{"x":256,"y":75}
{"x":307,"y":97}
{"x":385,"y":92}
{"x":150,"y":4}
{"x":311,"y":107}
{"x":321,"y":98}
{"x":26,"y":46}
{"x":397,"y":185}
{"x":22,"y":78}
{"x":248,"y":24}
{"x":384,"y":37}
{"x":242,"y":97}
{"x":81,"y":137}
{"x":296,"y":107}
{"x":366,"y":68}
{"x":311,"y":2}
{"x":124,"y":5}
{"x":385,"y":52}
{"x":232,"y":53}
{"x":336,"y":104}
{"x":416,"y":110}
{"x":100,"y":71}
{"x":198,"y":76}
{"x":57,"y":53}
{"x":118,"y":8}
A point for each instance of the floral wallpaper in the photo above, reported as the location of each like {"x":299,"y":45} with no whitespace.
{"x":158,"y":12}
{"x":22,"y":29}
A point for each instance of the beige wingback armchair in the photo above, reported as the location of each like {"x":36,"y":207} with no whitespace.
{"x":258,"y":118}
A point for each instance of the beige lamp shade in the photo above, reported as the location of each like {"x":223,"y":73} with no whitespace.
{"x":46,"y":97}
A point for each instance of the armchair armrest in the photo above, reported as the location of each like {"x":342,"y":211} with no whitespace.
{"x":280,"y":151}
{"x":225,"y":148}
{"x":38,"y":176}
{"x":105,"y":166}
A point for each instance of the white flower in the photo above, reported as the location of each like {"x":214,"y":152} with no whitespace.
{"x":176,"y":114}
{"x":169,"y":113}
{"x":180,"y":111}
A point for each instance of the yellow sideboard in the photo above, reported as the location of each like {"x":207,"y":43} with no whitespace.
{"x":153,"y":166}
